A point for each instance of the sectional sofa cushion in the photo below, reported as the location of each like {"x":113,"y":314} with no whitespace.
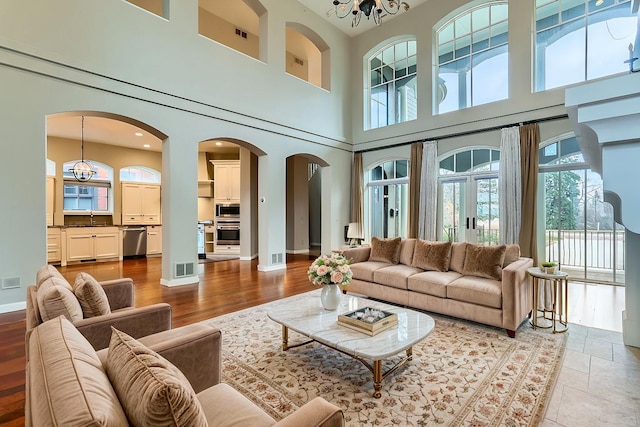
{"x":151,"y":390}
{"x":92,"y":298}
{"x":484,"y":261}
{"x":385,"y":250}
{"x":66,"y":380}
{"x":47,"y":271}
{"x":476,"y":290}
{"x":364,"y":270}
{"x":395,"y":275}
{"x":431,"y":255}
{"x":458,"y":252}
{"x":432,"y":282}
{"x":55,"y":298}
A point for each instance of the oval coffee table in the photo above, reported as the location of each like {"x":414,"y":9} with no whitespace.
{"x":307,"y":317}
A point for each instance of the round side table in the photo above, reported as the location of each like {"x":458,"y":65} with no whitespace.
{"x":558,"y":313}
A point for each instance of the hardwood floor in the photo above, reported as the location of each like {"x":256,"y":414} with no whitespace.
{"x":224,"y":287}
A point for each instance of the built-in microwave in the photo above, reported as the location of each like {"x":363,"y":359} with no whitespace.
{"x":227,"y":210}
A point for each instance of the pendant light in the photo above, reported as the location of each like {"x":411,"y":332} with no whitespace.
{"x":83,"y":170}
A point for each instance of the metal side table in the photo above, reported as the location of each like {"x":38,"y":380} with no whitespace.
{"x":559,"y":307}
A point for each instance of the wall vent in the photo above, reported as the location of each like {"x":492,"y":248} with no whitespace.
{"x":10,"y":283}
{"x":298,"y":61}
{"x":184,"y":269}
{"x":241,"y":33}
{"x":276,"y":258}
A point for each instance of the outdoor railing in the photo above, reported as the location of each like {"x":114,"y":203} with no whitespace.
{"x":599,"y":249}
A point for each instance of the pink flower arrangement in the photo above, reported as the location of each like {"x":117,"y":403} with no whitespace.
{"x":330,"y":270}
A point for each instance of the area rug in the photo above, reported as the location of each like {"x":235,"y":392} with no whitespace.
{"x":462,"y":374}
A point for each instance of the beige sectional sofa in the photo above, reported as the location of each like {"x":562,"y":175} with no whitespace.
{"x":169,"y":378}
{"x":485,"y":284}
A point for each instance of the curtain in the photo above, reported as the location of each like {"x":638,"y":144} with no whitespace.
{"x":428,"y":191}
{"x":415,"y":167}
{"x":529,"y":145}
{"x":357,"y":181}
{"x":509,"y":186}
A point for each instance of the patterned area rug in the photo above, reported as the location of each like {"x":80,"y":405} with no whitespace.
{"x":464,"y":373}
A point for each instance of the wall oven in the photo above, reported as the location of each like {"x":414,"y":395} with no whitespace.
{"x":227,"y":232}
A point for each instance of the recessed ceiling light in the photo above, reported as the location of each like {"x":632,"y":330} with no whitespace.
{"x":146,"y":146}
{"x":138,"y":133}
{"x":218,"y":143}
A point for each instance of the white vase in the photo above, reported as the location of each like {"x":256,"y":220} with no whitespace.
{"x":330,"y":297}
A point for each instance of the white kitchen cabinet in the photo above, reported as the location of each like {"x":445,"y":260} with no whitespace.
{"x":226,"y":180}
{"x":51,"y":197}
{"x":154,"y":240}
{"x":85,"y":243}
{"x":140,"y":204}
{"x":54,"y":245}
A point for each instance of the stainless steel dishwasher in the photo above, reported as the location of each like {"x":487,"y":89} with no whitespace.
{"x":134,"y":241}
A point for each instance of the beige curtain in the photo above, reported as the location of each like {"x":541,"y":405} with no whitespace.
{"x":415,"y":166}
{"x":357,"y":181}
{"x":529,"y":144}
{"x":428,"y":191}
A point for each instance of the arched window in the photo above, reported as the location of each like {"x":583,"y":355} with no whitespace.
{"x":388,"y":204}
{"x":581,"y":234}
{"x":468,"y":196}
{"x":582,"y":40}
{"x":140,"y":174}
{"x":93,"y":195}
{"x":473,"y":59}
{"x":391,"y":94}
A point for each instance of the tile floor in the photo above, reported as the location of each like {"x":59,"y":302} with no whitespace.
{"x":599,"y":383}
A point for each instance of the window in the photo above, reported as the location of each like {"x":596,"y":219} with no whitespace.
{"x":93,"y":195}
{"x":468,"y":197}
{"x":473,"y":60}
{"x":392,"y":94}
{"x":581,"y":40}
{"x":140,"y":174}
{"x":581,"y":234}
{"x":51,"y":168}
{"x":388,"y":188}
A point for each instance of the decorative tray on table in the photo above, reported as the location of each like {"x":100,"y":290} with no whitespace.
{"x":368,"y":320}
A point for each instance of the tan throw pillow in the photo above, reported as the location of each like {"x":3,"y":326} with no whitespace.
{"x":458,"y":251}
{"x":512,"y":254}
{"x":151,"y":390}
{"x":484,"y":261}
{"x":385,"y":250}
{"x":92,"y":298}
{"x":55,"y":299}
{"x":47,"y":271}
{"x":432,"y":255}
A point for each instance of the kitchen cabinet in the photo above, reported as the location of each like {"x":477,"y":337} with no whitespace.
{"x":51,"y":194}
{"x":226,"y":180}
{"x":154,"y":240}
{"x":140,"y":204}
{"x":209,"y":238}
{"x":85,"y":243}
{"x":54,"y":246}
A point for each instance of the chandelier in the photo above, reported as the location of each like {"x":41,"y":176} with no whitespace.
{"x":377,"y":8}
{"x":82,"y":170}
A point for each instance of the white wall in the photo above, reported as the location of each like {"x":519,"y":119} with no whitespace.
{"x":185,"y":86}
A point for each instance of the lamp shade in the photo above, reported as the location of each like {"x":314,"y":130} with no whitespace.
{"x":354,"y":231}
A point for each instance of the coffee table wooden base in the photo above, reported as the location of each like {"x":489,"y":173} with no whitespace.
{"x":375,"y":368}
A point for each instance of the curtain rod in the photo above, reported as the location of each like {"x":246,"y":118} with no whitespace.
{"x":469,"y":132}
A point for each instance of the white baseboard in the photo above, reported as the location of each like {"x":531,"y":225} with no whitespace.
{"x":298,"y":251}
{"x":248,"y":258}
{"x":16,"y":306}
{"x":272,"y":267}
{"x":180,"y":282}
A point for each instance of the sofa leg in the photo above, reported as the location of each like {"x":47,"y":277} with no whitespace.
{"x":512,"y":334}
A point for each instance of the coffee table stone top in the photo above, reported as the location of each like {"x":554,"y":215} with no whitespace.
{"x":307,"y":316}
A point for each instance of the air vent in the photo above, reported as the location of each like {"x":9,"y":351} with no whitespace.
{"x":298,"y":61}
{"x":241,"y":33}
{"x":10,"y":283}
{"x":276,"y":258}
{"x":184,"y":269}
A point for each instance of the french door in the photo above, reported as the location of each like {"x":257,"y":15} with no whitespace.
{"x":469,"y":209}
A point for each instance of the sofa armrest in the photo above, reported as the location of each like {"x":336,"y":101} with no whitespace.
{"x":194,"y":350}
{"x":137,"y":322}
{"x":516,"y":293}
{"x":360,"y":254}
{"x":317,"y":412}
{"x":119,"y":292}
